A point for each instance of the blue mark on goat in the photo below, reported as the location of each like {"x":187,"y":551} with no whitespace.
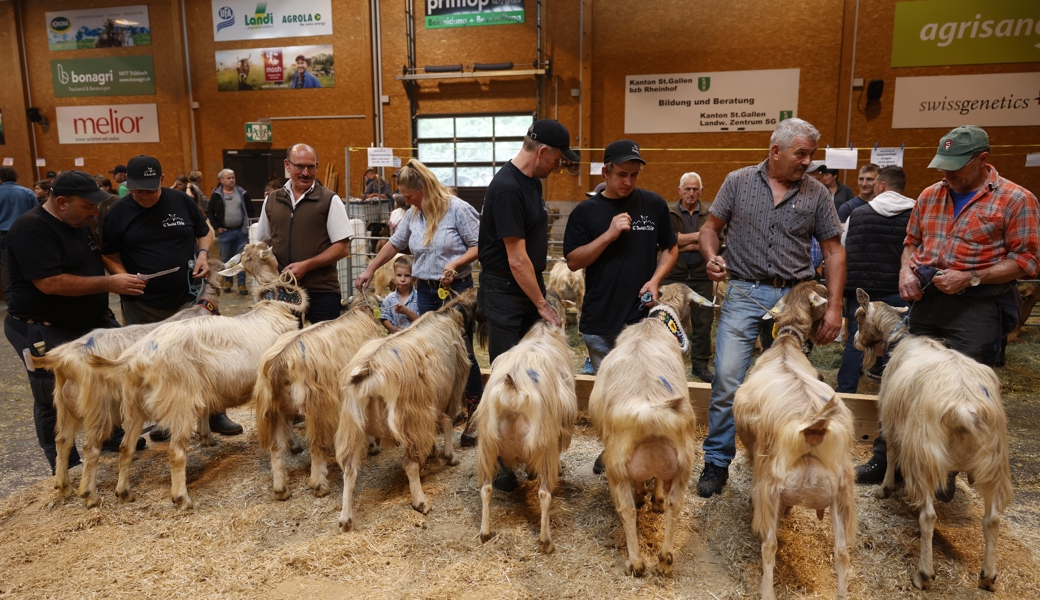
{"x":153,"y":346}
{"x":533,"y":375}
{"x":667,"y":385}
{"x":303,"y":350}
{"x":397,"y":354}
{"x":984,"y":390}
{"x":91,"y":343}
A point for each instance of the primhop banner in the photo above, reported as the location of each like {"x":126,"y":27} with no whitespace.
{"x":473,"y":13}
{"x":288,"y":68}
{"x":112,"y":27}
{"x":255,"y":20}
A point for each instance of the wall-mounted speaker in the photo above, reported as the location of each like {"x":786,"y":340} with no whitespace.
{"x":874,"y":90}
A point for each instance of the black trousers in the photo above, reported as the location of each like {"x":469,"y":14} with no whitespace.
{"x":24,"y":335}
{"x":509,"y":312}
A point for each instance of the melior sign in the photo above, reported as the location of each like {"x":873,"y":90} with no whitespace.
{"x":112,"y":124}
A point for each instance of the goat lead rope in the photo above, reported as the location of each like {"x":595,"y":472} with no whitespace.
{"x":748,"y":296}
{"x":193,"y":289}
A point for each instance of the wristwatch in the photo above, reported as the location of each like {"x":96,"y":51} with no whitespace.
{"x":975,"y":279}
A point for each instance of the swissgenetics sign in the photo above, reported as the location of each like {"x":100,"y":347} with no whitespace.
{"x":253,"y":19}
{"x":109,"y":124}
{"x":1005,"y":99}
{"x":965,"y":32}
{"x":473,"y":13}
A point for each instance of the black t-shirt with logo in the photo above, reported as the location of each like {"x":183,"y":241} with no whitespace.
{"x":613,"y":281}
{"x":41,"y":246}
{"x":513,"y":207}
{"x":149,"y":240}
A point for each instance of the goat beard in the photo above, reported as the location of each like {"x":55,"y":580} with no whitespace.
{"x":870,"y":354}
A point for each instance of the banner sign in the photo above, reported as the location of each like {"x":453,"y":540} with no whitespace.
{"x":473,"y":13}
{"x":255,"y":19}
{"x":720,"y":101}
{"x":111,"y":27}
{"x":109,"y":124}
{"x":965,"y":32}
{"x":110,"y":76}
{"x":1005,"y":99}
{"x":291,"y":67}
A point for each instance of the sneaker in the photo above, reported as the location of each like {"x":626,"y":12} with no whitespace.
{"x":587,"y":369}
{"x":505,"y":480}
{"x":243,"y":290}
{"x":597,"y":467}
{"x":875,"y":372}
{"x":945,"y":494}
{"x":712,"y":479}
{"x":703,"y":373}
{"x":220,"y":423}
{"x":872,"y":472}
{"x":159,"y":433}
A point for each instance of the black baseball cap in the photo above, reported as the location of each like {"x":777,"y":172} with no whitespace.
{"x":552,"y":133}
{"x":143,"y":173}
{"x":118,"y":169}
{"x":78,"y":183}
{"x":622,"y":151}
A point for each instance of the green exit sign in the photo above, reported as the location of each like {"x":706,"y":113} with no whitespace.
{"x":258,"y":132}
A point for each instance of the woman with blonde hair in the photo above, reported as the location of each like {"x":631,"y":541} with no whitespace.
{"x":440,"y":231}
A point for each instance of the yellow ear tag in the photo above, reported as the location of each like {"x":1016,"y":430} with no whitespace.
{"x":378,"y":313}
{"x":775,"y":329}
{"x":776,"y":326}
{"x":442,"y":294}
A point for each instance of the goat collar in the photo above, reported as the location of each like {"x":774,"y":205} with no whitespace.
{"x":208,"y":305}
{"x":667,"y":316}
{"x":898,"y":333}
{"x":284,"y":293}
{"x":803,"y":340}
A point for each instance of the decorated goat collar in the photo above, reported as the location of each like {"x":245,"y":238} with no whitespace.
{"x":792,"y":331}
{"x":666,"y":315}
{"x":282,"y":292}
{"x":208,"y":305}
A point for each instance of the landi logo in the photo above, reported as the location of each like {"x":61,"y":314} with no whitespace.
{"x":60,"y":24}
{"x":260,"y":18}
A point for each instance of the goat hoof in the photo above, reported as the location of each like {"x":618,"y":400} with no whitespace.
{"x":209,"y":441}
{"x":183,"y":503}
{"x":282,"y":494}
{"x":484,"y":537}
{"x":453,"y":460}
{"x":296,"y":447}
{"x":546,"y":546}
{"x":923,"y":581}
{"x":988,"y":582}
{"x":91,"y":500}
{"x":664,"y":563}
{"x":635,"y":568}
{"x":125,"y":495}
{"x":883,"y":492}
{"x":374,"y":449}
{"x":346,"y":526}
{"x":63,"y":489}
{"x":422,"y":507}
{"x":321,"y":490}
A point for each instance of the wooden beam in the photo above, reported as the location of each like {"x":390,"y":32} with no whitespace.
{"x":863,"y":406}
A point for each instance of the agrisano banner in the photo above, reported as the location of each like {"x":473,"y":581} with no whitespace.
{"x":110,"y":124}
{"x":111,"y":76}
{"x":719,"y":101}
{"x":966,"y":32}
{"x":473,"y":13}
{"x":254,"y":20}
{"x":1006,"y":99}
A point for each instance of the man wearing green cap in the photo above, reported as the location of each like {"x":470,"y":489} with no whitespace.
{"x":970,"y":236}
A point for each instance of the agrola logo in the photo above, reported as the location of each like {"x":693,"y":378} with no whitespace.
{"x":60,"y":24}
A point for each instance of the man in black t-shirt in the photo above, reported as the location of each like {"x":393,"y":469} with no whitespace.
{"x":59,"y":290}
{"x":615,"y":236}
{"x":514,"y":238}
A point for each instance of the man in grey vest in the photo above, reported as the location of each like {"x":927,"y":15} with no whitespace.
{"x":229,"y":211}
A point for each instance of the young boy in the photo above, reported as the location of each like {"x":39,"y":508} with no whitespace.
{"x":402,"y":305}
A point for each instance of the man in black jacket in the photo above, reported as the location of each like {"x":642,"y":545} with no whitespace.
{"x":229,"y":211}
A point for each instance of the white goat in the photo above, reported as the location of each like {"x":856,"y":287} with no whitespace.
{"x":641,"y":409}
{"x":569,"y":285}
{"x":87,"y":398}
{"x":300,"y":375}
{"x":940,"y":412}
{"x":182,"y":372}
{"x":798,"y":435}
{"x":402,"y":387}
{"x":685,"y":300}
{"x":527,"y":415}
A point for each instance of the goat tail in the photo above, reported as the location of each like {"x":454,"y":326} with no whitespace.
{"x":47,"y":361}
{"x":360,"y":373}
{"x":104,"y":364}
{"x":350,"y":433}
{"x":268,"y":408}
{"x":815,"y":431}
{"x":482,"y":331}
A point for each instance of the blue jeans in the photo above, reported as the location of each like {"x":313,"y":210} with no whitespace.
{"x":739,"y":325}
{"x":232,"y":242}
{"x":599,"y":346}
{"x":428,"y":300}
{"x":852,"y":357}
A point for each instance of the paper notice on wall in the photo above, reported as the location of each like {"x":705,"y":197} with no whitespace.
{"x":596,"y":168}
{"x":78,"y":162}
{"x":1032,"y":159}
{"x":397,"y":162}
{"x":887,"y":157}
{"x":41,"y":162}
{"x":380,"y":157}
{"x":841,"y":158}
{"x":8,"y":161}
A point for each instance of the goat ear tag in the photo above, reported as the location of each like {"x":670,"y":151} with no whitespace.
{"x":816,"y":300}
{"x":776,"y":328}
{"x":442,"y":293}
{"x":378,"y":313}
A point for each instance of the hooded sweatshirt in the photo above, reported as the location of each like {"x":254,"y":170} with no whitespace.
{"x":873,"y":242}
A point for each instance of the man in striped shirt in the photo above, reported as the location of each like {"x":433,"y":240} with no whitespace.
{"x":772,"y":210}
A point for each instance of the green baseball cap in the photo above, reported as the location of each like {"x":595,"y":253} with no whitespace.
{"x":957,"y":147}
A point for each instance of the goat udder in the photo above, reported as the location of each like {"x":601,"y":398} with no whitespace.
{"x":655,"y":458}
{"x":808,"y":484}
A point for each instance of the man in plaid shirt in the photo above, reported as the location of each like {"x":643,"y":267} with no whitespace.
{"x":969,"y":238}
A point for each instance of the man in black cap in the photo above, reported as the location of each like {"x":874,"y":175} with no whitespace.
{"x":514,"y":237}
{"x":59,"y":290}
{"x":615,"y":236}
{"x":119,"y":176}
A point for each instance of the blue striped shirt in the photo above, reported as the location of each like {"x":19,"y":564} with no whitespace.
{"x":456,"y":233}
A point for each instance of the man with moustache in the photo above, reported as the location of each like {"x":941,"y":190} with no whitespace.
{"x":772,"y":210}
